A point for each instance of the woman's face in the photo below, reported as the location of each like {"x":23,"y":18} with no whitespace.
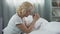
{"x":28,"y":11}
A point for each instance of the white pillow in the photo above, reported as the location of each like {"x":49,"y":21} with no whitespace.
{"x":53,"y":27}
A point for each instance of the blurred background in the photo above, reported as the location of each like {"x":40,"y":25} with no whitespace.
{"x":48,"y":9}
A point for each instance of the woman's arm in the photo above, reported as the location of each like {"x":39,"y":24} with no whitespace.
{"x":24,"y":28}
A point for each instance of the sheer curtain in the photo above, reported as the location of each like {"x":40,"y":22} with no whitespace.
{"x":1,"y":17}
{"x":8,"y":11}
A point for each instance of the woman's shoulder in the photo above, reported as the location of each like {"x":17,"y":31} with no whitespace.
{"x":15,"y":17}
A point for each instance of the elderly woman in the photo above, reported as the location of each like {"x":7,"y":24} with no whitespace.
{"x":16,"y":24}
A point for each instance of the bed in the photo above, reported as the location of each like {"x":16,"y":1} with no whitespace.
{"x":50,"y":28}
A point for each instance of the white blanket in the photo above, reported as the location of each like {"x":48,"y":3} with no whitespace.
{"x":42,"y":32}
{"x":50,"y":28}
{"x":53,"y":27}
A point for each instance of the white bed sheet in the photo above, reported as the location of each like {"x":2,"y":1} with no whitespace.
{"x":50,"y":28}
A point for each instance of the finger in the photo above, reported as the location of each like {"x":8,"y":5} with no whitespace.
{"x":37,"y":15}
{"x":33,"y":15}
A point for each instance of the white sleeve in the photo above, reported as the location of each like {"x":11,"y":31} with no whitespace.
{"x":18,"y":21}
{"x":15,"y":20}
{"x":38,"y":24}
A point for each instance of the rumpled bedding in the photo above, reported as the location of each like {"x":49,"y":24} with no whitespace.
{"x":42,"y":26}
{"x":50,"y":28}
